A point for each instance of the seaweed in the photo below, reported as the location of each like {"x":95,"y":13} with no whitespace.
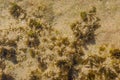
{"x":32,"y":53}
{"x":11,"y":43}
{"x":7,"y":77}
{"x":102,"y":48}
{"x":16,"y":11}
{"x":34,"y":24}
{"x":84,"y":16}
{"x":94,"y":61}
{"x":35,"y":75}
{"x":65,"y":41}
{"x":93,"y":10}
{"x":85,"y":31}
{"x":102,"y":70}
{"x":53,"y":38}
{"x":32,"y":42}
{"x":42,"y":64}
{"x":2,"y":65}
{"x":51,"y":46}
{"x":111,"y":75}
{"x":71,"y":74}
{"x":9,"y":54}
{"x":32,"y":34}
{"x":115,"y":53}
{"x":3,"y":52}
{"x":117,"y":68}
{"x":77,"y":59}
{"x":108,"y":73}
{"x":63,"y":65}
{"x":91,"y":75}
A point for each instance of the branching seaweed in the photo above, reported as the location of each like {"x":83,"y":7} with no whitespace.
{"x":34,"y":24}
{"x":85,"y":31}
{"x":16,"y":11}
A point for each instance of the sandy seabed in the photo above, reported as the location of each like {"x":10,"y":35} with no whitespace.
{"x":59,"y":39}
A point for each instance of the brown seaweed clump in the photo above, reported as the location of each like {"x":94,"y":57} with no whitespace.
{"x":32,"y":40}
{"x":34,"y":24}
{"x":17,"y":12}
{"x":58,"y":58}
{"x":107,"y":73}
{"x":115,"y":53}
{"x":35,"y":75}
{"x":4,"y":76}
{"x":94,"y":61}
{"x":11,"y":43}
{"x":85,"y":30}
{"x":8,"y":54}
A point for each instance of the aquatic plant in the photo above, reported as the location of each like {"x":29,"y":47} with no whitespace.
{"x":35,"y":75}
{"x":32,"y":42}
{"x":16,"y":11}
{"x":6,"y":77}
{"x":115,"y":53}
{"x":32,"y":53}
{"x":84,"y":16}
{"x":32,"y":34}
{"x":85,"y":31}
{"x":11,"y":43}
{"x":34,"y":24}
{"x":91,"y":75}
{"x":8,"y":54}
